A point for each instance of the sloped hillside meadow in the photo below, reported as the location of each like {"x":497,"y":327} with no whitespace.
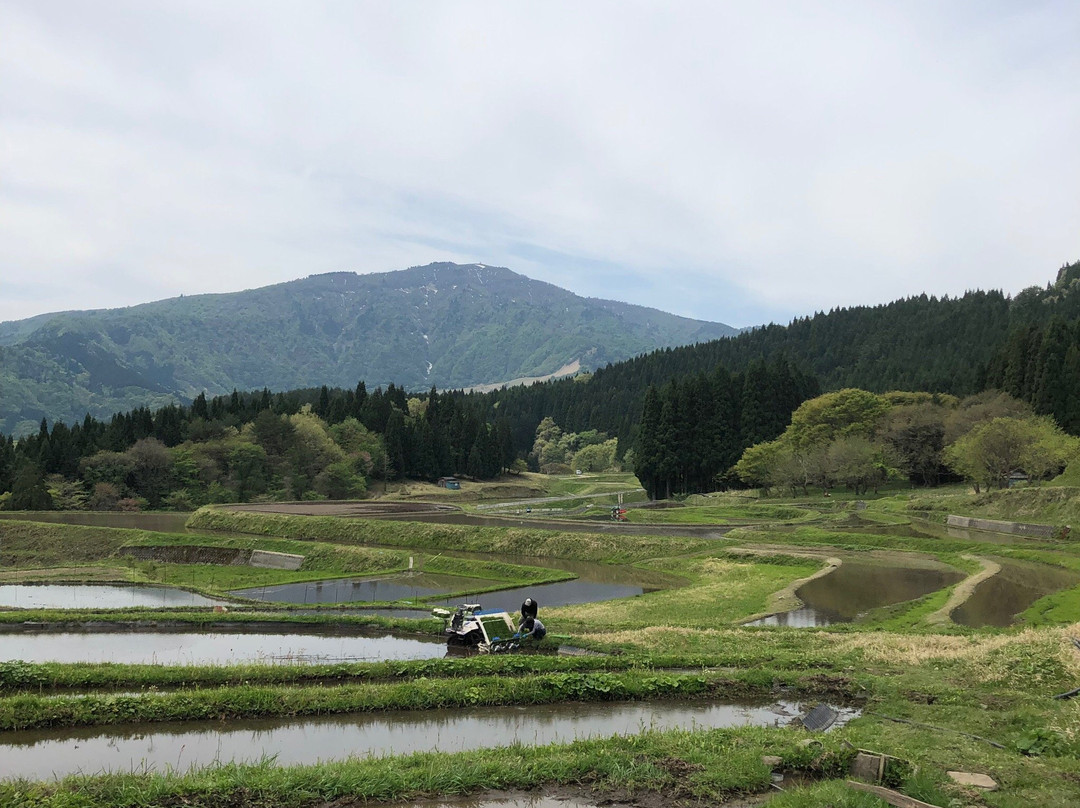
{"x":934,"y":694}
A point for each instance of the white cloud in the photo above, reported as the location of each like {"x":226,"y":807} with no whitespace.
{"x":738,"y":162}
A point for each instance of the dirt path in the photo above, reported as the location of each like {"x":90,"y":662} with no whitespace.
{"x":963,"y":590}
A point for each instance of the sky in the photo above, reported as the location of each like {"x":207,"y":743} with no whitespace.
{"x":731,"y":161}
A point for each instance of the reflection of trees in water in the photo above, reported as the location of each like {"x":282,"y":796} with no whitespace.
{"x":799,"y":618}
{"x":348,"y":590}
{"x":401,"y":732}
{"x":165,"y":647}
{"x":856,"y":588}
{"x":998,"y":599}
{"x":97,"y":596}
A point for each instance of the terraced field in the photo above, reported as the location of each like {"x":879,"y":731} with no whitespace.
{"x":942,"y":649}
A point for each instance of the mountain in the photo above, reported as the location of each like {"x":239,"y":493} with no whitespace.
{"x":1027,"y":345}
{"x":442,"y":324}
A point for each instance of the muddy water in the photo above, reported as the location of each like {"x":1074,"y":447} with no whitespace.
{"x":348,"y":591}
{"x":854,"y":588}
{"x":549,"y":595}
{"x":998,"y":599}
{"x":595,"y":582}
{"x":211,"y":648}
{"x":44,"y":754}
{"x":408,"y":586}
{"x":97,"y":596}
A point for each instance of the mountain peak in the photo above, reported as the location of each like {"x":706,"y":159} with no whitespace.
{"x":447,"y":324}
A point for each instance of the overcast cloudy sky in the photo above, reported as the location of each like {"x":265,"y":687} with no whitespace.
{"x":740,"y":162}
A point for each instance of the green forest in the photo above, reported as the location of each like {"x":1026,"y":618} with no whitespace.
{"x":719,"y":414}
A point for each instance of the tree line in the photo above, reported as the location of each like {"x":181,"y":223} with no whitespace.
{"x":694,"y":429}
{"x":708,"y":403}
{"x":316,"y":443}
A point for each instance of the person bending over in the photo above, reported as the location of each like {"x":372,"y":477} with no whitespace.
{"x":532,"y":627}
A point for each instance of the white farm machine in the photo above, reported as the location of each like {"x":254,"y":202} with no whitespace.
{"x":490,"y":632}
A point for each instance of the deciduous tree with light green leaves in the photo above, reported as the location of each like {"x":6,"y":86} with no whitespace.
{"x":829,"y":442}
{"x":990,"y":452}
{"x":835,"y":415}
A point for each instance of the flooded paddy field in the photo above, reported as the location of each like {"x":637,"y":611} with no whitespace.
{"x":45,"y":754}
{"x":99,"y":596}
{"x":244,"y":644}
{"x":1000,"y":598}
{"x":855,"y":588}
{"x":561,"y":593}
{"x":594,"y":582}
{"x":406,"y":586}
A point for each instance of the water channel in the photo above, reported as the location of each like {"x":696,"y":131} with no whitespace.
{"x":234,"y":645}
{"x":44,"y":754}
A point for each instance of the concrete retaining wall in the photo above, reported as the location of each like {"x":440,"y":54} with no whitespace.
{"x":190,"y":554}
{"x":1015,"y":528}
{"x":276,"y":561}
{"x":226,"y":556}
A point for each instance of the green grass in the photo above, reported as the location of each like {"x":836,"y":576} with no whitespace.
{"x":723,"y":590}
{"x":51,"y":677}
{"x":574,"y":485}
{"x":40,"y":545}
{"x":720,"y":514}
{"x":498,"y":541}
{"x":1046,"y":505}
{"x":996,"y":683}
{"x":1058,"y":608}
{"x":245,"y":701}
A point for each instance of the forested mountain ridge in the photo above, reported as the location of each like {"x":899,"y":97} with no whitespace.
{"x":956,"y":345}
{"x":444,"y":324}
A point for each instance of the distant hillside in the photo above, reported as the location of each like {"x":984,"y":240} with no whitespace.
{"x":443,"y":324}
{"x":1027,"y":345}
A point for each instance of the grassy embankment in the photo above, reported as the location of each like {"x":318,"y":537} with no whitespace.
{"x":741,"y":513}
{"x":498,"y":541}
{"x":515,"y":487}
{"x":993,"y":683}
{"x":33,"y":711}
{"x":57,"y":678}
{"x":75,"y":553}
